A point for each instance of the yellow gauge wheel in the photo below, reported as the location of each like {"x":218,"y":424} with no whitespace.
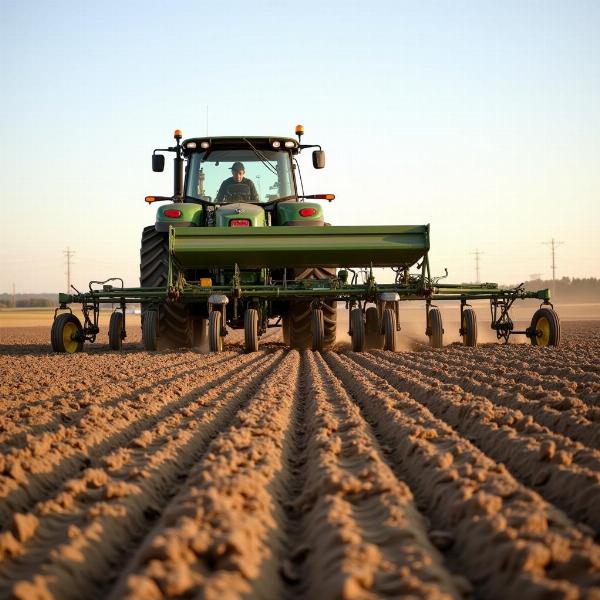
{"x":68,"y":337}
{"x":67,"y":334}
{"x":545,"y":328}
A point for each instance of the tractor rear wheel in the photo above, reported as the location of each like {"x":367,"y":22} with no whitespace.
{"x":357,"y":326}
{"x":297,"y":323}
{"x":469,"y":327}
{"x":436,"y":335}
{"x":389,"y":330}
{"x":374,"y":339}
{"x":251,"y":330}
{"x":66,"y":334}
{"x":175,"y":321}
{"x":215,"y":339}
{"x":545,"y":326}
{"x":115,"y":331}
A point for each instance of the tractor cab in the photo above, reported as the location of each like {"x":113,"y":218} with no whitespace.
{"x":241,"y":181}
{"x":268,"y":167}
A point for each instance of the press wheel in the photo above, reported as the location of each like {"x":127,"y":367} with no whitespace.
{"x":317,"y":328}
{"x":116,"y":331}
{"x":357,"y":327}
{"x":436,"y":331}
{"x":215,"y":339}
{"x":545,"y":328}
{"x":373,"y":336}
{"x":389,"y":330}
{"x":66,"y":334}
{"x":150,"y":331}
{"x":251,"y":330}
{"x":469,"y":327}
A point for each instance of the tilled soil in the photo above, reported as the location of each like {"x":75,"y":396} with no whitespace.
{"x":460,"y":472}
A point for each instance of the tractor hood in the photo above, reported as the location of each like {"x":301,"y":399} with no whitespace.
{"x":253,"y":213}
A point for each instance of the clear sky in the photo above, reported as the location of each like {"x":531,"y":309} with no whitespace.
{"x":480,"y":118}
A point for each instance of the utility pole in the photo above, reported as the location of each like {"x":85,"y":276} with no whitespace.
{"x":14,"y":298}
{"x":68,"y":254}
{"x":477,"y":254}
{"x":553,"y":243}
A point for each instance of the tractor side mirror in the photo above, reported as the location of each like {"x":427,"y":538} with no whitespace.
{"x":158,"y":163}
{"x":318,"y":159}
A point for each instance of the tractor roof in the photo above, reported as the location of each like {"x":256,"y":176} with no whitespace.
{"x":235,"y":142}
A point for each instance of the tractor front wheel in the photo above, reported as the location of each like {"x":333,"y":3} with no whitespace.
{"x":66,"y":334}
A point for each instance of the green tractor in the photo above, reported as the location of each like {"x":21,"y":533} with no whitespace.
{"x":239,"y":245}
{"x":233,"y":183}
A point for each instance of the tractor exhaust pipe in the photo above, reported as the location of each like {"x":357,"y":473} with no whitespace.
{"x":178,"y":168}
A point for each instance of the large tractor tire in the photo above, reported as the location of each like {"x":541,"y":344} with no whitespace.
{"x":297,"y":330}
{"x":176,"y":326}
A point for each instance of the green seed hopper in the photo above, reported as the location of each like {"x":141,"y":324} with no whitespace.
{"x":295,"y":247}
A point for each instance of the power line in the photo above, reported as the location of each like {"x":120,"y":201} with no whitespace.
{"x":477,"y":254}
{"x":553,"y":243}
{"x":68,"y":254}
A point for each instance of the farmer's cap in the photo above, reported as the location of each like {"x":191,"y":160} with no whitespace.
{"x":238,"y":166}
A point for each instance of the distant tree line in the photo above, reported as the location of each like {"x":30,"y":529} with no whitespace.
{"x":569,"y":289}
{"x":28,"y":300}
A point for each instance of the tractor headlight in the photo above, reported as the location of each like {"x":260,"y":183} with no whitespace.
{"x":276,"y":144}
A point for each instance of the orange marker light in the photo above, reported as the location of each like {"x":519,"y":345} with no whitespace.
{"x":299,"y":129}
{"x":149,"y":199}
{"x":177,"y":134}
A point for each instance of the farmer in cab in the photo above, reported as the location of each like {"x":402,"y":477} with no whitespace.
{"x":237,"y":188}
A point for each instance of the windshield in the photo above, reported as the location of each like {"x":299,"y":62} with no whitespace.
{"x":271,"y":177}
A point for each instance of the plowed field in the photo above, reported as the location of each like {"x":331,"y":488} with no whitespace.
{"x":461,"y":472}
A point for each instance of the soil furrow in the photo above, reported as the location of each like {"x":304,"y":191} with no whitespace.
{"x":98,"y":518}
{"x":509,"y":541}
{"x":566,"y":416}
{"x":220,"y":536}
{"x":69,"y":409}
{"x":500,"y":369}
{"x":362,"y":534}
{"x":32,"y":473}
{"x":37,"y":379}
{"x":564,"y":472}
